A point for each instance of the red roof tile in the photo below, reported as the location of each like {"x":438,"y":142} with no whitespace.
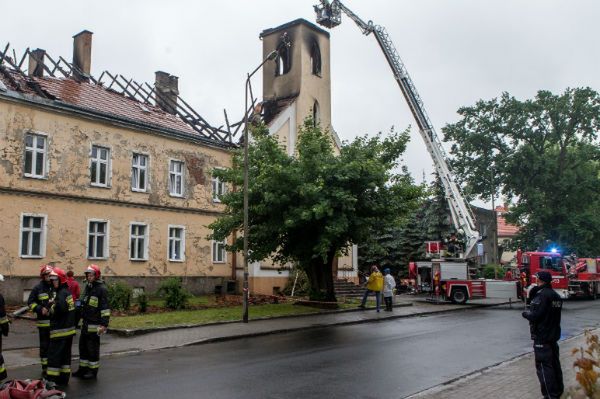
{"x":505,"y":229}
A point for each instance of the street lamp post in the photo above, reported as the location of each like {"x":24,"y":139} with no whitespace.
{"x":272,"y":55}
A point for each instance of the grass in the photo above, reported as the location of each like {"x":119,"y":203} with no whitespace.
{"x":212,"y":315}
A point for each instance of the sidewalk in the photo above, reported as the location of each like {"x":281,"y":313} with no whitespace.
{"x":113,"y":345}
{"x":514,"y":379}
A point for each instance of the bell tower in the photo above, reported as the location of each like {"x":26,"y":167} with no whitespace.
{"x":298,"y":83}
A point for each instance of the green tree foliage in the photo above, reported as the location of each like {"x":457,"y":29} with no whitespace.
{"x":309,"y":208}
{"x":544,"y":155}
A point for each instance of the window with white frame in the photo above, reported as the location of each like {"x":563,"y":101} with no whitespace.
{"x":100,"y":166}
{"x":176,"y":243}
{"x":33,"y":236}
{"x":218,"y":189}
{"x":138,"y":241}
{"x":176,"y":178}
{"x":139,"y":172}
{"x":35,"y":156}
{"x":218,"y":251}
{"x":97,"y":239}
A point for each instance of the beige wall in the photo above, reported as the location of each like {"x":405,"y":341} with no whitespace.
{"x":68,"y":200}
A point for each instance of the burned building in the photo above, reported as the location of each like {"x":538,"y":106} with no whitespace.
{"x":105,"y":170}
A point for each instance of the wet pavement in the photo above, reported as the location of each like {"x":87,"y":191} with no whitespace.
{"x":392,"y":358}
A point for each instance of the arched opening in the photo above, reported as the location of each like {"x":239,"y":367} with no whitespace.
{"x":315,"y":59}
{"x":284,"y":60}
{"x":316,"y":114}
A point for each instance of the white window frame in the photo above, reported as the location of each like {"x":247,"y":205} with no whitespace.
{"x":106,"y":239}
{"x":181,"y":240}
{"x":145,"y":169}
{"x":34,"y":150}
{"x":214,"y":251}
{"x":43,"y":230}
{"x":100,"y":161}
{"x":176,"y":174}
{"x":218,"y":188}
{"x":146,"y":237}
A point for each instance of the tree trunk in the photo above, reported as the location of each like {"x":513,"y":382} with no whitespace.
{"x":320,"y":275}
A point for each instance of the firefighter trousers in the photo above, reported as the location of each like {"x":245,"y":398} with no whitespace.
{"x":44,"y":333}
{"x":549,"y":372}
{"x":89,"y":351}
{"x":3,"y":374}
{"x":59,"y":360}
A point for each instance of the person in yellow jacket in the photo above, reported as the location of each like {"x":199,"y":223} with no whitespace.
{"x":374,"y":285}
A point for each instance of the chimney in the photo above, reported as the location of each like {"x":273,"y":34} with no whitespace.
{"x":167,"y":90}
{"x":36,"y":63}
{"x":82,"y":55}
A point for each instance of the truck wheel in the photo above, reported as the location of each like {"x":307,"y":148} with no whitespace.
{"x":459,"y":296}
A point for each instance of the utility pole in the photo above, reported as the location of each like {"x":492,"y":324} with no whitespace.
{"x":495,"y":223}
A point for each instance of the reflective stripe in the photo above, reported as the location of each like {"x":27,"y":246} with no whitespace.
{"x":53,"y":371}
{"x":94,"y":365}
{"x":63,"y":332}
{"x":83,"y":363}
{"x":2,"y":368}
{"x":33,"y":306}
{"x":92,"y":328}
{"x":105,"y":312}
{"x":43,"y":323}
{"x":65,"y":369}
{"x":4,"y":320}
{"x":44,"y":361}
{"x":43,"y":297}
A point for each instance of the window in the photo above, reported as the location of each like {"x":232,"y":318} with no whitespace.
{"x":176,"y":178}
{"x":218,"y":251}
{"x":283,"y":60}
{"x":218,"y":189}
{"x":100,"y":166}
{"x":35,"y":156}
{"x":315,"y":59}
{"x":33,"y":236}
{"x":139,"y":172}
{"x":176,"y":243}
{"x":138,"y":242}
{"x":316,"y":114}
{"x":97,"y":239}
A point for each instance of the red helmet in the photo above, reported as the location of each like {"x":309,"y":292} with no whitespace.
{"x":45,"y":269}
{"x":60,"y":273}
{"x":93,"y":269}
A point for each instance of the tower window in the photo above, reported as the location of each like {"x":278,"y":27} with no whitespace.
{"x":315,"y":59}
{"x":284,"y":60}
{"x":316,"y":114}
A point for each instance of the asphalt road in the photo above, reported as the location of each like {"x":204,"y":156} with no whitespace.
{"x":390,"y":359}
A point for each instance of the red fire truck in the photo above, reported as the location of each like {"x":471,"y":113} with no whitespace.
{"x":571,"y":277}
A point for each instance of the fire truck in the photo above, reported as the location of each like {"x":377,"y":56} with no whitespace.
{"x":571,"y":277}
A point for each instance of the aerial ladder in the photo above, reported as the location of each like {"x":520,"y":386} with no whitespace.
{"x":329,"y":14}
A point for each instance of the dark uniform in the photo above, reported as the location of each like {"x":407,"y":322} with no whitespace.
{"x":95,"y":312}
{"x":544,"y":321}
{"x":39,"y":298}
{"x":62,"y":330}
{"x":4,"y":328}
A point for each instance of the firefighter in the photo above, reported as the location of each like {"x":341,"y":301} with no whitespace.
{"x":62,"y":329}
{"x":544,"y":322}
{"x":39,"y":303}
{"x":95,"y":314}
{"x":4,"y":329}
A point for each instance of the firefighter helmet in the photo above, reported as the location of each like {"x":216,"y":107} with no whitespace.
{"x":59,"y":274}
{"x":93,"y":269}
{"x":45,"y":269}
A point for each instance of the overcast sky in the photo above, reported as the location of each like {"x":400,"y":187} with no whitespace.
{"x":455,"y":51}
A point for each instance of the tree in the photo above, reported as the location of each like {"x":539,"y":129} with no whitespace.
{"x":543,"y":153}
{"x":311,"y":207}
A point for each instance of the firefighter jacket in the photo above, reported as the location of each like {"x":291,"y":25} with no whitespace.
{"x":39,"y":298}
{"x":3,"y":318}
{"x":544,"y":316}
{"x":95,"y":311}
{"x":375,"y":282}
{"x":62,"y":314}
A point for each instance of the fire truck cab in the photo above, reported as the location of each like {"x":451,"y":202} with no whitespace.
{"x":532,"y":262}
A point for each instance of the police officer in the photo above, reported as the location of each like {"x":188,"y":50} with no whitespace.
{"x":62,"y":329}
{"x":4,"y":329}
{"x":544,"y":323}
{"x":95,"y":314}
{"x":39,"y":303}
